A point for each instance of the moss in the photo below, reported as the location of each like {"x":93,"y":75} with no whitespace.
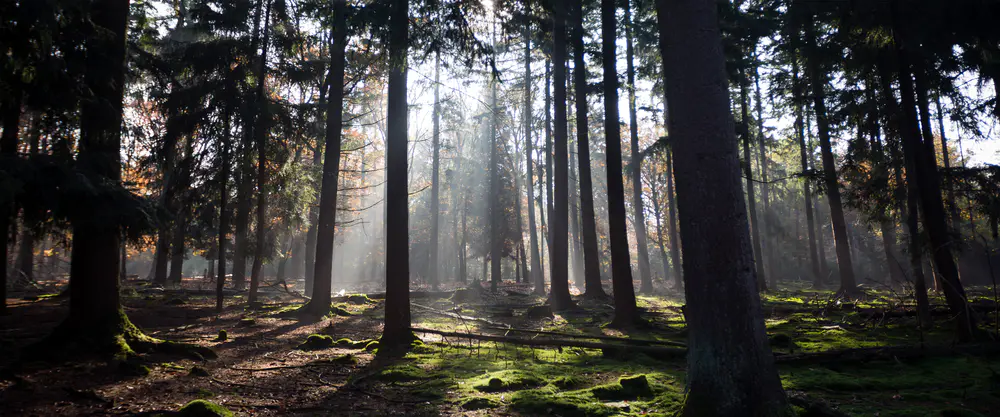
{"x":479,"y":403}
{"x":372,"y":346}
{"x":340,"y":360}
{"x":223,"y":336}
{"x":403,"y":373}
{"x":512,"y":380}
{"x":346,"y":343}
{"x":627,"y":388}
{"x":539,"y":403}
{"x":339,"y":311}
{"x":173,"y":366}
{"x":247,"y":322}
{"x":359,"y":299}
{"x":316,"y":342}
{"x":202,"y":408}
{"x":566,"y":382}
{"x":203,"y":393}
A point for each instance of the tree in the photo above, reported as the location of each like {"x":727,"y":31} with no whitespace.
{"x":559,"y":219}
{"x":626,"y":313}
{"x":327,"y":217}
{"x":536,"y":265}
{"x":639,"y":221}
{"x":726,"y":326}
{"x":396,"y":334}
{"x":748,"y":173}
{"x":817,"y":81}
{"x":591,"y":263}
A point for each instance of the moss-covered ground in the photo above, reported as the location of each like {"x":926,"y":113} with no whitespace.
{"x":273,"y":362}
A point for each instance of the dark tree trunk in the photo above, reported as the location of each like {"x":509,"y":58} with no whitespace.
{"x":675,"y":256}
{"x":317,"y":158}
{"x":896,"y":126}
{"x":767,"y":254}
{"x":626,"y":313}
{"x":726,"y":326}
{"x":245,"y":183}
{"x":639,"y":221}
{"x":396,"y":334}
{"x":548,"y":149}
{"x":435,"y":175}
{"x":748,"y":172}
{"x":11,"y":118}
{"x":496,"y":213}
{"x":94,"y":307}
{"x":536,"y":265}
{"x":576,"y":248}
{"x":591,"y":261}
{"x":658,"y":216}
{"x":956,"y":219}
{"x":817,"y":79}
{"x":180,"y":221}
{"x":327,"y":217}
{"x":803,"y":156}
{"x":226,"y":153}
{"x":559,"y":220}
{"x":931,"y":204}
{"x":260,"y":134}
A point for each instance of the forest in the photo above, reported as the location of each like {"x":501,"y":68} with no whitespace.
{"x":695,"y":208}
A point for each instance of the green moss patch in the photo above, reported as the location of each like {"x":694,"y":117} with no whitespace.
{"x":512,"y":380}
{"x":339,"y":311}
{"x":479,"y":403}
{"x":404,"y":373}
{"x":316,"y":342}
{"x":359,"y":299}
{"x":540,"y":403}
{"x":202,"y":408}
{"x":627,"y":388}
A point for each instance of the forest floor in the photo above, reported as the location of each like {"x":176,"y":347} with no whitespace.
{"x":262,"y":369}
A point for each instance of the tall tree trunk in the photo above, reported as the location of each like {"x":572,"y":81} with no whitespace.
{"x":327,"y":217}
{"x":639,"y":221}
{"x":496,"y":212}
{"x":675,"y":256}
{"x":899,"y":127}
{"x":748,"y":172}
{"x":94,"y":307}
{"x":767,"y":254}
{"x":396,"y":334}
{"x":804,"y":158}
{"x":726,"y":326}
{"x":658,"y":215}
{"x":929,"y":186}
{"x":956,"y":219}
{"x":817,"y":79}
{"x":261,"y":134}
{"x":591,"y":260}
{"x":226,"y":153}
{"x":25,"y":261}
{"x":536,"y":265}
{"x":626,"y":313}
{"x":559,"y":220}
{"x":435,"y":174}
{"x":11,"y":118}
{"x":576,"y":247}
{"x":180,"y":220}
{"x":548,"y":147}
{"x":244,"y":188}
{"x":317,"y":158}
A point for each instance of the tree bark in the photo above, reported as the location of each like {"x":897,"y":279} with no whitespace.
{"x":626,"y":313}
{"x":558,"y":220}
{"x":261,"y":134}
{"x":226,"y":153}
{"x":11,"y":119}
{"x":591,"y":261}
{"x":848,"y":284}
{"x":327,"y":217}
{"x":639,"y":222}
{"x":396,"y":334}
{"x":804,"y":158}
{"x":748,"y":172}
{"x":767,"y":254}
{"x":435,"y":174}
{"x":726,"y":326}
{"x":931,"y":204}
{"x":536,"y":265}
{"x":317,"y":158}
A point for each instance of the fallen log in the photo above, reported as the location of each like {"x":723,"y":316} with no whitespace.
{"x":591,"y":336}
{"x":657,"y":351}
{"x":460,"y":317}
{"x":862,"y":355}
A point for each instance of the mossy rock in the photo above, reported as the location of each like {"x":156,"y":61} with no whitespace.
{"x":223,"y":336}
{"x":466,"y":295}
{"x":316,"y":342}
{"x":132,"y":368}
{"x":538,"y":403}
{"x":359,"y":299}
{"x":479,"y":403}
{"x":628,"y":388}
{"x":346,"y":343}
{"x":539,"y":312}
{"x":202,"y":408}
{"x":247,"y":322}
{"x":510,"y":381}
{"x":339,"y":311}
{"x":371,"y":346}
{"x":782,"y":341}
{"x":404,"y":373}
{"x":566,"y":382}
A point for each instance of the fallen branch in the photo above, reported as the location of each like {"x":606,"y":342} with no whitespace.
{"x":461,"y":317}
{"x":653,"y":350}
